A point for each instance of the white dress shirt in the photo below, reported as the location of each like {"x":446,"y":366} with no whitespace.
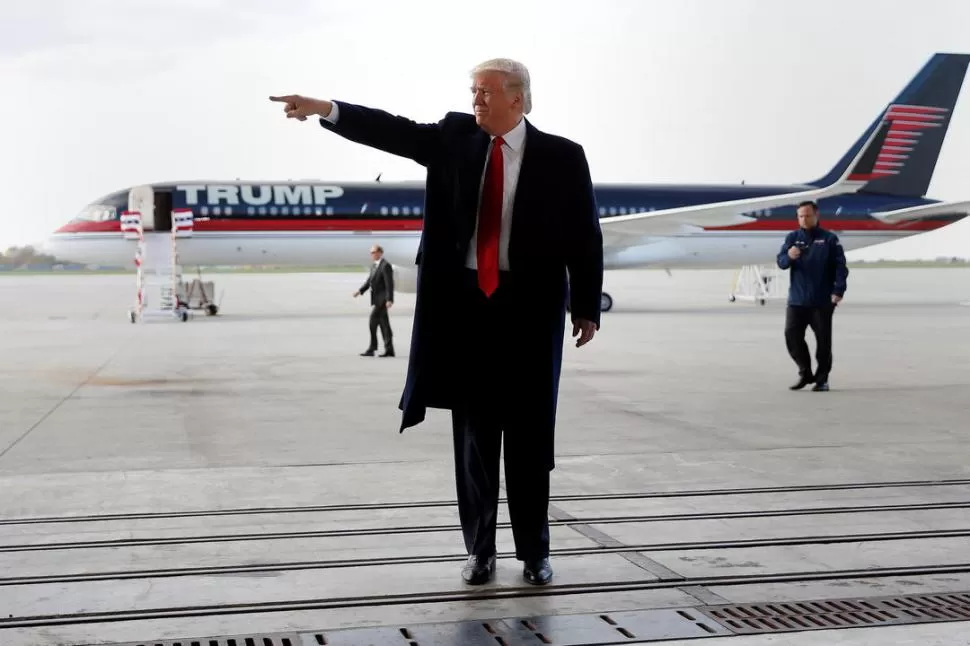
{"x":512,"y":151}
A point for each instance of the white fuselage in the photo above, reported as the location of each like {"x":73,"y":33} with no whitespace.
{"x":709,"y":249}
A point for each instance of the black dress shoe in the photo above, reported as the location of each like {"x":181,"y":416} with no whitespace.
{"x":537,"y":571}
{"x":822,"y":387}
{"x":801,"y":383}
{"x":387,"y":353}
{"x":478,"y":570}
{"x":367,"y":353}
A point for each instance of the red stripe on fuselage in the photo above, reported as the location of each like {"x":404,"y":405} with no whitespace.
{"x":84,"y":226}
{"x":259,"y":225}
{"x":309,"y":224}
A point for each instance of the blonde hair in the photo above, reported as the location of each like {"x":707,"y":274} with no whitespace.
{"x":517,"y":77}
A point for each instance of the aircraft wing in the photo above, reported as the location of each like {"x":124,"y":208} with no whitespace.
{"x":916,"y":213}
{"x":626,"y":229}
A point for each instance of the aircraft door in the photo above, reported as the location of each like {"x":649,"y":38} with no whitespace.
{"x":163,"y":211}
{"x":142,"y":199}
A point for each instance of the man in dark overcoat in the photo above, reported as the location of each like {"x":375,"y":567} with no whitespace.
{"x":510,"y":238}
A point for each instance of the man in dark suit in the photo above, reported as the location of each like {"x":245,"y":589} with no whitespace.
{"x":380,"y":281}
{"x":510,"y":234}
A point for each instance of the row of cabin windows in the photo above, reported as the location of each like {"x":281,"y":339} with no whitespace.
{"x":384,"y":210}
{"x":96,"y":212}
{"x":613,"y":210}
{"x":396,"y":210}
{"x":623,"y":210}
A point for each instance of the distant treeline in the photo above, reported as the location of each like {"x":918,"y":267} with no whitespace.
{"x":942,"y":260}
{"x":23,"y":257}
{"x":29,"y":259}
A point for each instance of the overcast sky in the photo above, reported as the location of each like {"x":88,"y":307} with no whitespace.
{"x":103,"y":94}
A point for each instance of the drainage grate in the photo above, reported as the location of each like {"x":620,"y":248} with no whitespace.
{"x":275,"y":639}
{"x":631,"y":627}
{"x":561,"y":630}
{"x":753,"y":618}
{"x":614,"y":628}
{"x":466,"y":633}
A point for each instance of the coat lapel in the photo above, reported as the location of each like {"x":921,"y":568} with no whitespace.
{"x":533,"y":145}
{"x":527,"y":175}
{"x":471,"y":167}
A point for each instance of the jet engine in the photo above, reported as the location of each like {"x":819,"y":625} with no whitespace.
{"x":405,"y":279}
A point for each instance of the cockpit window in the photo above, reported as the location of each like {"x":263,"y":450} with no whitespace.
{"x":97,"y":213}
{"x":105,"y":209}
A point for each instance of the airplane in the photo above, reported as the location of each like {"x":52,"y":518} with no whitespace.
{"x":874,"y":194}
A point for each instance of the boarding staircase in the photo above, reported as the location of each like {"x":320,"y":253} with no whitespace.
{"x":759,"y":284}
{"x":158,"y":272}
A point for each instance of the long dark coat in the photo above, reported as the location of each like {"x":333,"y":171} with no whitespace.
{"x":555,"y":247}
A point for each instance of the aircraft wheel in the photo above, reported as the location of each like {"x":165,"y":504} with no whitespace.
{"x":732,"y":298}
{"x":211,"y":309}
{"x":606,"y":302}
{"x":131,"y":316}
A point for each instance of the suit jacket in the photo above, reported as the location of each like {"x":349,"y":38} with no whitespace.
{"x":555,"y":232}
{"x":380,"y":281}
{"x":819,"y":272}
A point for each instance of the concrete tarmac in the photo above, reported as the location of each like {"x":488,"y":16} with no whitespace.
{"x":254,"y":457}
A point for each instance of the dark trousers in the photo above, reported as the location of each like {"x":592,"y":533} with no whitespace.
{"x":379,"y":317}
{"x":797,"y":319}
{"x":497,"y":407}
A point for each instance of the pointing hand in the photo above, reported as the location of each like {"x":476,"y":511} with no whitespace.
{"x":301,"y":107}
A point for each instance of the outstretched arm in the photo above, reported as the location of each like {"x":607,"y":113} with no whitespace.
{"x":378,"y":129}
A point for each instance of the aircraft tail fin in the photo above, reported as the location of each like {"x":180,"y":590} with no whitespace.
{"x":919,"y":118}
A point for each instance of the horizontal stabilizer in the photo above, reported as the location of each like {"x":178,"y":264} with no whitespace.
{"x":924,"y":212}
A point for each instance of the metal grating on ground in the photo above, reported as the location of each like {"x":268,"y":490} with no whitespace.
{"x":633,"y":627}
{"x":759,"y":618}
{"x":275,"y":639}
{"x":559,"y":630}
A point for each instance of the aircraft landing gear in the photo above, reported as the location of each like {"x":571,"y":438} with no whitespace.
{"x":606,"y":302}
{"x":757,"y":284}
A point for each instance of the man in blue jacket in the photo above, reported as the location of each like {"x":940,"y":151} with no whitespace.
{"x":819,"y":273}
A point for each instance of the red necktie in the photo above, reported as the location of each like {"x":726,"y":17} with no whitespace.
{"x":490,"y":220}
